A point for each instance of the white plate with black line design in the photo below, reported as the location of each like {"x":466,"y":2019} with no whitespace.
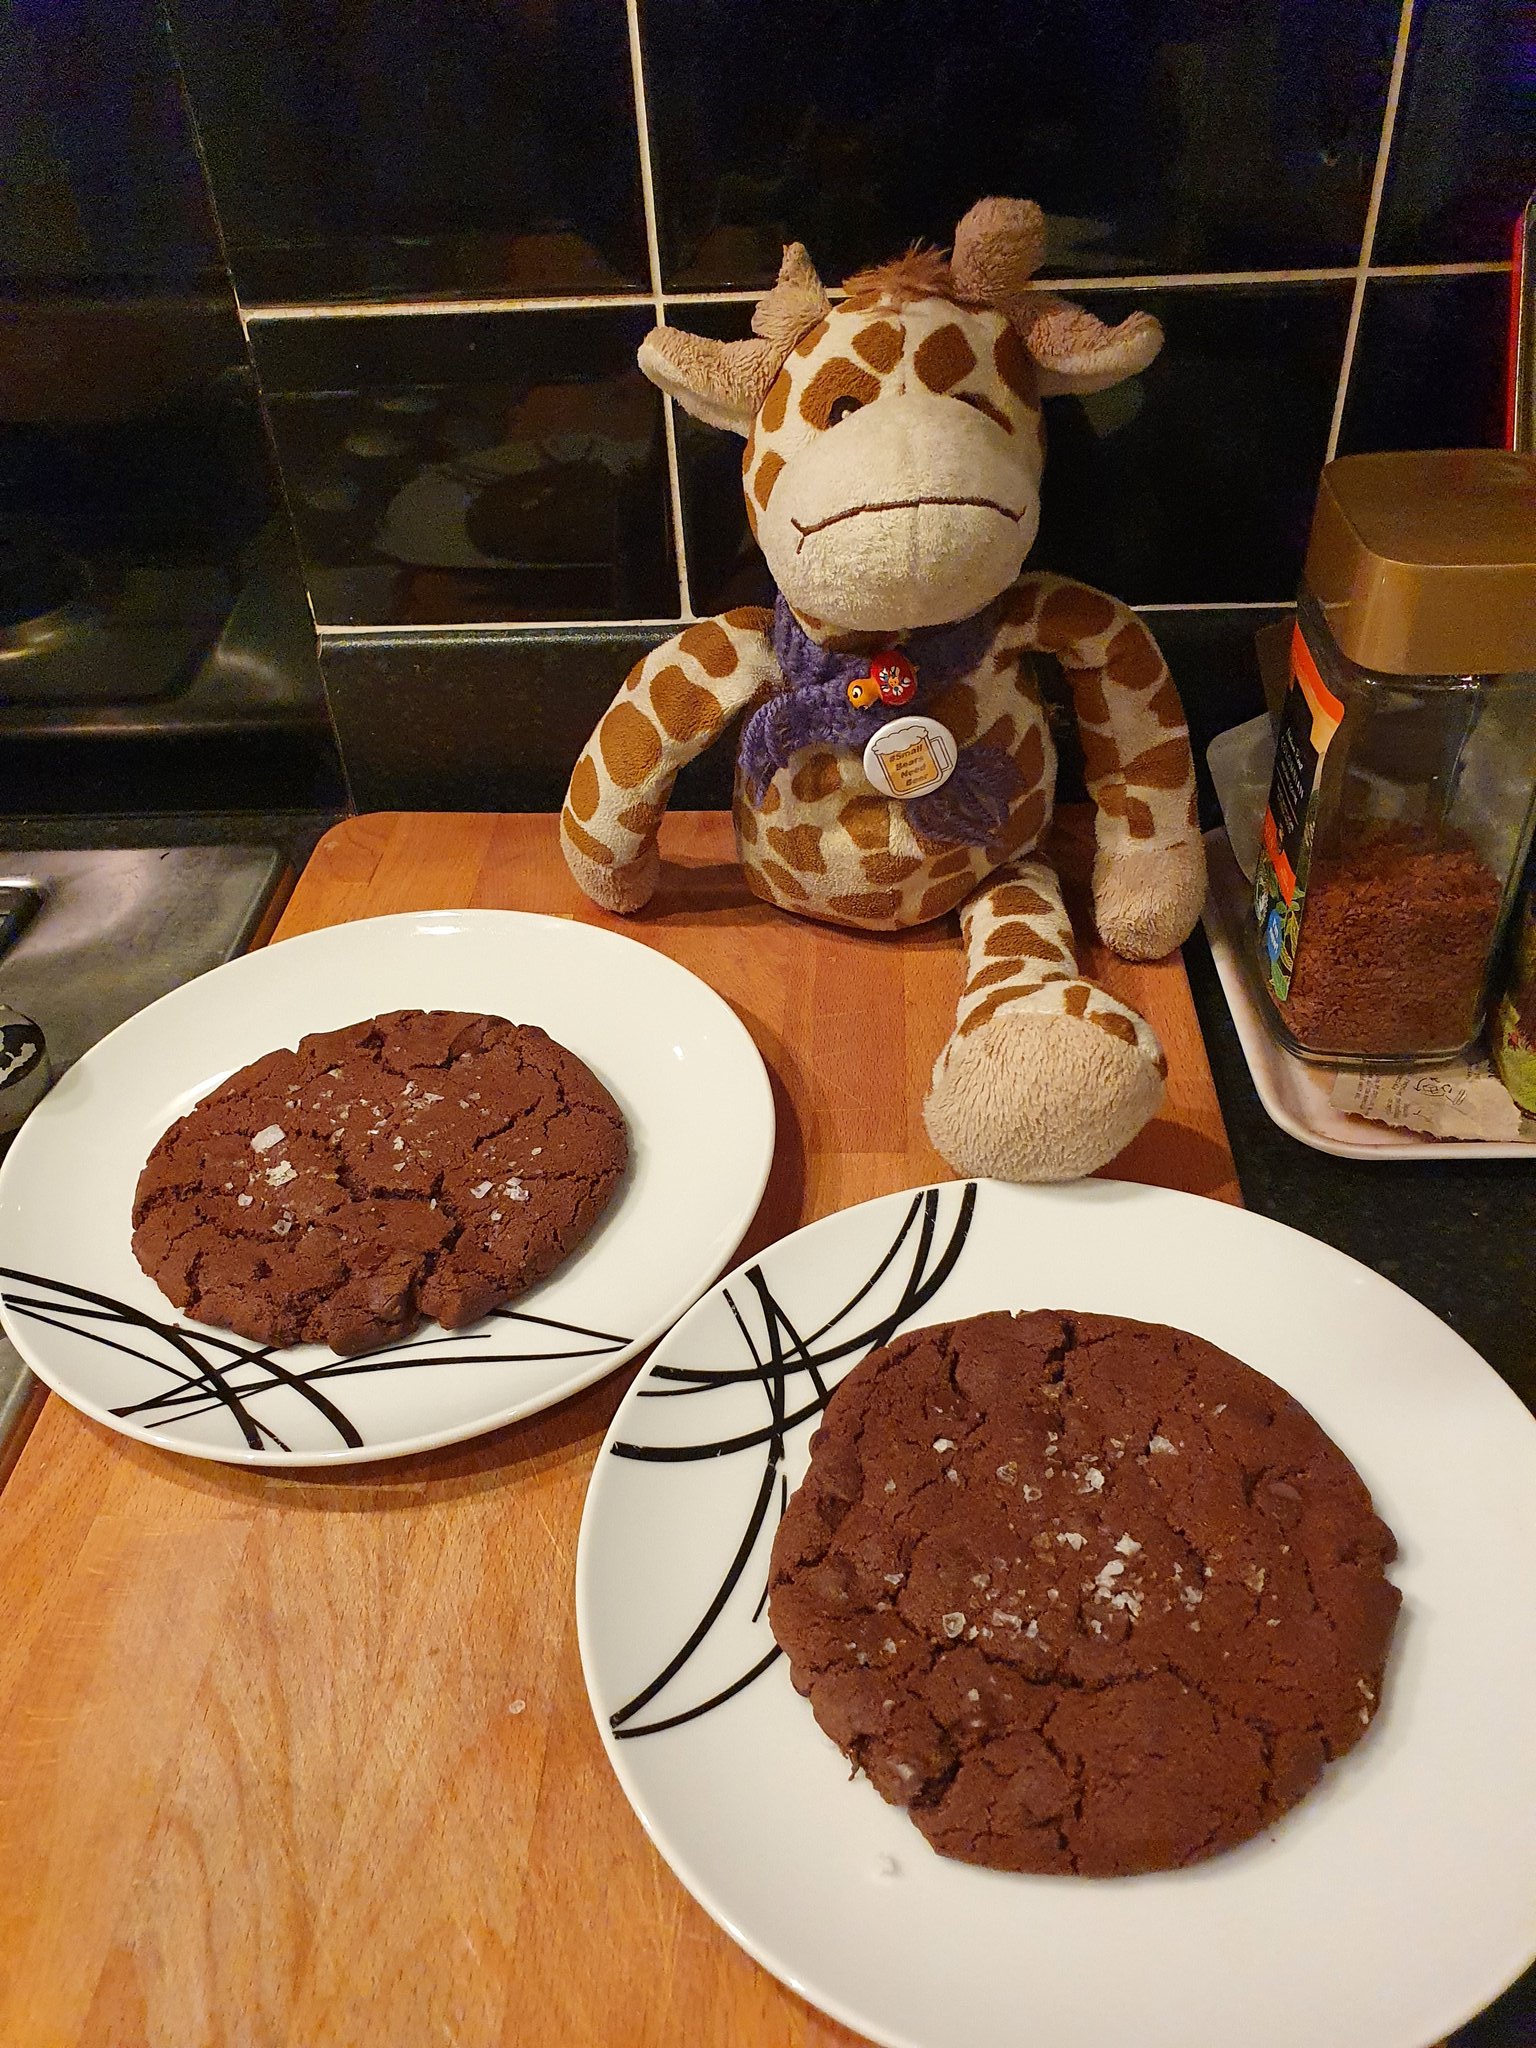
{"x":1393,"y":1903}
{"x":672,"y":1053}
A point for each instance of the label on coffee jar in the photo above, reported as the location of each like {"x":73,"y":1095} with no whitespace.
{"x":1309,"y":718}
{"x":910,"y":756}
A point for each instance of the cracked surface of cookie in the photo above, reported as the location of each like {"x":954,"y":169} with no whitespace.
{"x":424,"y":1163}
{"x":1084,"y":1595}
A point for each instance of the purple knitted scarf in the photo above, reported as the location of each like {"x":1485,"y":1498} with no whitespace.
{"x":813,"y":710}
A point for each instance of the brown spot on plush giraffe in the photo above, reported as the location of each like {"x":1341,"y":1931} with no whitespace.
{"x":894,"y":450}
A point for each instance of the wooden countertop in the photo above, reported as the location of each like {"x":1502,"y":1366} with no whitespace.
{"x":308,"y":1763}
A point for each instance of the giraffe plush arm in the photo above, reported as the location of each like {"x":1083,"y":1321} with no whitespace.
{"x":1149,"y":869}
{"x":672,"y":705}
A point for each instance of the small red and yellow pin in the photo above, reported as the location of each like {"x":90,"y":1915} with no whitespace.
{"x":891,"y":680}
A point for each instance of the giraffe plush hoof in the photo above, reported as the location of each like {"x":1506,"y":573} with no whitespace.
{"x":1033,"y":1095}
{"x":1146,"y":899}
{"x":621,"y":889}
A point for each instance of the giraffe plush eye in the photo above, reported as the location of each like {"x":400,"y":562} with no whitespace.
{"x":978,"y":403}
{"x":837,"y":389}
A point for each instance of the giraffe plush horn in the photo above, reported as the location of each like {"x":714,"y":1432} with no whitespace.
{"x":796,"y":303}
{"x":998,"y":248}
{"x":725,"y":382}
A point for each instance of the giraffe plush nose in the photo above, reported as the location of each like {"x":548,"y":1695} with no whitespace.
{"x":912,"y":511}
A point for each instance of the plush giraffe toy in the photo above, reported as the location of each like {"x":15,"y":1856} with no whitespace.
{"x":895,"y":761}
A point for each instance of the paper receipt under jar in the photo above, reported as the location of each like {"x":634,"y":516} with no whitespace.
{"x":1466,"y":1100}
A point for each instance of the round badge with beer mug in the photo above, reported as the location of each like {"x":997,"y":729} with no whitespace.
{"x":910,"y":757}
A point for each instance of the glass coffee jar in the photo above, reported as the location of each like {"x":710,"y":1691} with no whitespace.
{"x":1402,"y":798}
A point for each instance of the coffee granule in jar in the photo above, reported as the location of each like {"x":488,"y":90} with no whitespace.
{"x":1394,"y":945}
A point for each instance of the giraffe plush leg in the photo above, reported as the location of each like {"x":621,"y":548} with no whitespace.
{"x":1045,"y":1076}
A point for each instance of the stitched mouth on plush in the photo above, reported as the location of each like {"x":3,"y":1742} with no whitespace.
{"x":897,"y":505}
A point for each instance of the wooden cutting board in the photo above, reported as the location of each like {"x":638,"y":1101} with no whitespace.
{"x":308,"y":1763}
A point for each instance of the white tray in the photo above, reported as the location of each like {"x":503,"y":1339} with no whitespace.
{"x":1296,"y":1094}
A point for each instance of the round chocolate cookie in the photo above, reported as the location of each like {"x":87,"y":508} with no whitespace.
{"x":422,"y":1164}
{"x":1082,"y":1594}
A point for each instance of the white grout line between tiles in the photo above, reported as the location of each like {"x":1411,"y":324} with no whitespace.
{"x":620,"y":302}
{"x":1439,"y":270}
{"x":376,"y":309}
{"x":658,"y":298}
{"x":473,"y":629}
{"x":1368,"y":236}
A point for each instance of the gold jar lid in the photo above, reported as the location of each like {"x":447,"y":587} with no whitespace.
{"x":1424,"y":562}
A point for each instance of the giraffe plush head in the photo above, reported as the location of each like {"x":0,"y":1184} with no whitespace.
{"x":894,"y":439}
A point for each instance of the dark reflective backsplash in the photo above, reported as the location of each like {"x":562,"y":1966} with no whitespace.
{"x":100,"y":188}
{"x":1429,"y":368}
{"x":400,"y":191}
{"x":1194,"y":483}
{"x":1463,"y":158}
{"x":149,"y":594}
{"x":379,"y":150}
{"x":1159,"y":135}
{"x":483,"y":467}
{"x":724,"y":565}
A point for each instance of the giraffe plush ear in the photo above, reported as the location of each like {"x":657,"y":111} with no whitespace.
{"x":720,"y":382}
{"x":725,"y":382}
{"x":998,"y":248}
{"x":1076,"y":353}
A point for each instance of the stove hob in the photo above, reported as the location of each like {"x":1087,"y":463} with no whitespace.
{"x":116,"y":930}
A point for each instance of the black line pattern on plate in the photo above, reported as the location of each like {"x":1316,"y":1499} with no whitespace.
{"x":208,"y":1371}
{"x":780,"y":1356}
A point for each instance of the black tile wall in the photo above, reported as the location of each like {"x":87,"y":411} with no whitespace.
{"x":1429,"y":365}
{"x":99,"y":185}
{"x":129,"y":425}
{"x":1159,"y":135}
{"x":485,"y":466}
{"x":138,"y":494}
{"x":1194,"y":484}
{"x":486,"y":722}
{"x":386,"y":150}
{"x":1464,"y":151}
{"x":1214,"y":657}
